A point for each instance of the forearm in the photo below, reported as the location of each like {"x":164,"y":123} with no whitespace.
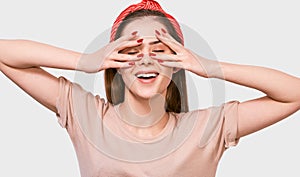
{"x":27,"y":54}
{"x":275,"y":84}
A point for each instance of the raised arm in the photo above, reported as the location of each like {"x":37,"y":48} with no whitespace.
{"x":21,"y":61}
{"x":282,"y":90}
{"x":282,"y":95}
{"x":24,"y":54}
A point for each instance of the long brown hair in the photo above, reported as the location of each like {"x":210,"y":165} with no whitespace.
{"x":176,"y":97}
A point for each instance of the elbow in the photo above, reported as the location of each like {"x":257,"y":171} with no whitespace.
{"x":1,"y":65}
{"x":295,"y":93}
{"x":298,"y":104}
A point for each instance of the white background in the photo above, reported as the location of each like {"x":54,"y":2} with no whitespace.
{"x":264,"y":33}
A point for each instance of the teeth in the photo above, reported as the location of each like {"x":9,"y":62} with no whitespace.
{"x":148,"y":75}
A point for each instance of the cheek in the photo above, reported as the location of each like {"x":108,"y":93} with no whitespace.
{"x":166,"y":77}
{"x":127,"y":77}
{"x":167,"y":73}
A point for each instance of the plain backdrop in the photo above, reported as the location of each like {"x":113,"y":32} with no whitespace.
{"x":264,"y":33}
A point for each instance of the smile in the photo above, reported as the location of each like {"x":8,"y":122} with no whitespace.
{"x":147,"y":77}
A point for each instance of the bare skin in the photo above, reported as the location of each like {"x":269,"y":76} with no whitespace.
{"x":281,"y":89}
{"x":21,"y":61}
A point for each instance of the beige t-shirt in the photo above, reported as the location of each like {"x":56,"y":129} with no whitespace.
{"x":190,"y":145}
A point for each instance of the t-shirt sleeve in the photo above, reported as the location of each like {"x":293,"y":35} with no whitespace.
{"x":74,"y":101}
{"x":230,"y":124}
{"x":219,"y":127}
{"x":63,"y":101}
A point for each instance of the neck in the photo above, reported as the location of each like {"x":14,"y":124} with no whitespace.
{"x":145,"y":117}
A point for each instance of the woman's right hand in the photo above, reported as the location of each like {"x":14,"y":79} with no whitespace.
{"x":109,"y":56}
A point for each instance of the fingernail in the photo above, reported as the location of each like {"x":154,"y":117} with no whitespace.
{"x":131,"y":63}
{"x":163,"y":30}
{"x":152,"y":54}
{"x":160,"y":61}
{"x":140,"y":41}
{"x":140,"y":55}
{"x":134,"y":33}
{"x":157,"y":32}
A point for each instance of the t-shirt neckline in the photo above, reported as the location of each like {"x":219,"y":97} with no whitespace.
{"x":133,"y":137}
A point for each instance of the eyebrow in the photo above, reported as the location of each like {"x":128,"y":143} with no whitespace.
{"x":154,"y":42}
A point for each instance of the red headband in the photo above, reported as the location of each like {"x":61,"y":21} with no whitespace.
{"x":145,"y":4}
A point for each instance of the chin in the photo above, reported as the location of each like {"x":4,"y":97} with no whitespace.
{"x":144,"y":94}
{"x":147,"y":91}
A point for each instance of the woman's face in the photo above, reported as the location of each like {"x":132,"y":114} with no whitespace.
{"x":147,"y":77}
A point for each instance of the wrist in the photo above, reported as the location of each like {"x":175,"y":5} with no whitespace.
{"x":82,"y":63}
{"x":88,"y":63}
{"x":215,"y":70}
{"x":208,"y":68}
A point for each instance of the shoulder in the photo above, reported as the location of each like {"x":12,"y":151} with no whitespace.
{"x":210,"y":120}
{"x":82,"y":101}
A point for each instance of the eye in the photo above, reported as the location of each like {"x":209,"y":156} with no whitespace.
{"x":158,"y":51}
{"x":131,"y":53}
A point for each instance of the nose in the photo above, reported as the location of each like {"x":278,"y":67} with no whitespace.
{"x":146,"y":60}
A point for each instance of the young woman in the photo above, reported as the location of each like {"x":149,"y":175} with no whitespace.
{"x":145,"y":127}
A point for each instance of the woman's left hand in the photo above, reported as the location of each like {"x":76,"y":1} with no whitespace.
{"x":182,"y":58}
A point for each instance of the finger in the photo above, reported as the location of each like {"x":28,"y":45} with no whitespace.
{"x":110,"y":47}
{"x":168,"y":40}
{"x":116,"y":64}
{"x":128,"y":44}
{"x":165,"y":33}
{"x":165,"y":57}
{"x":122,"y":64}
{"x":131,"y":36}
{"x":125,"y":57}
{"x":172,"y":64}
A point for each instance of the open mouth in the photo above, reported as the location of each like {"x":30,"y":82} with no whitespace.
{"x":147,"y":77}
